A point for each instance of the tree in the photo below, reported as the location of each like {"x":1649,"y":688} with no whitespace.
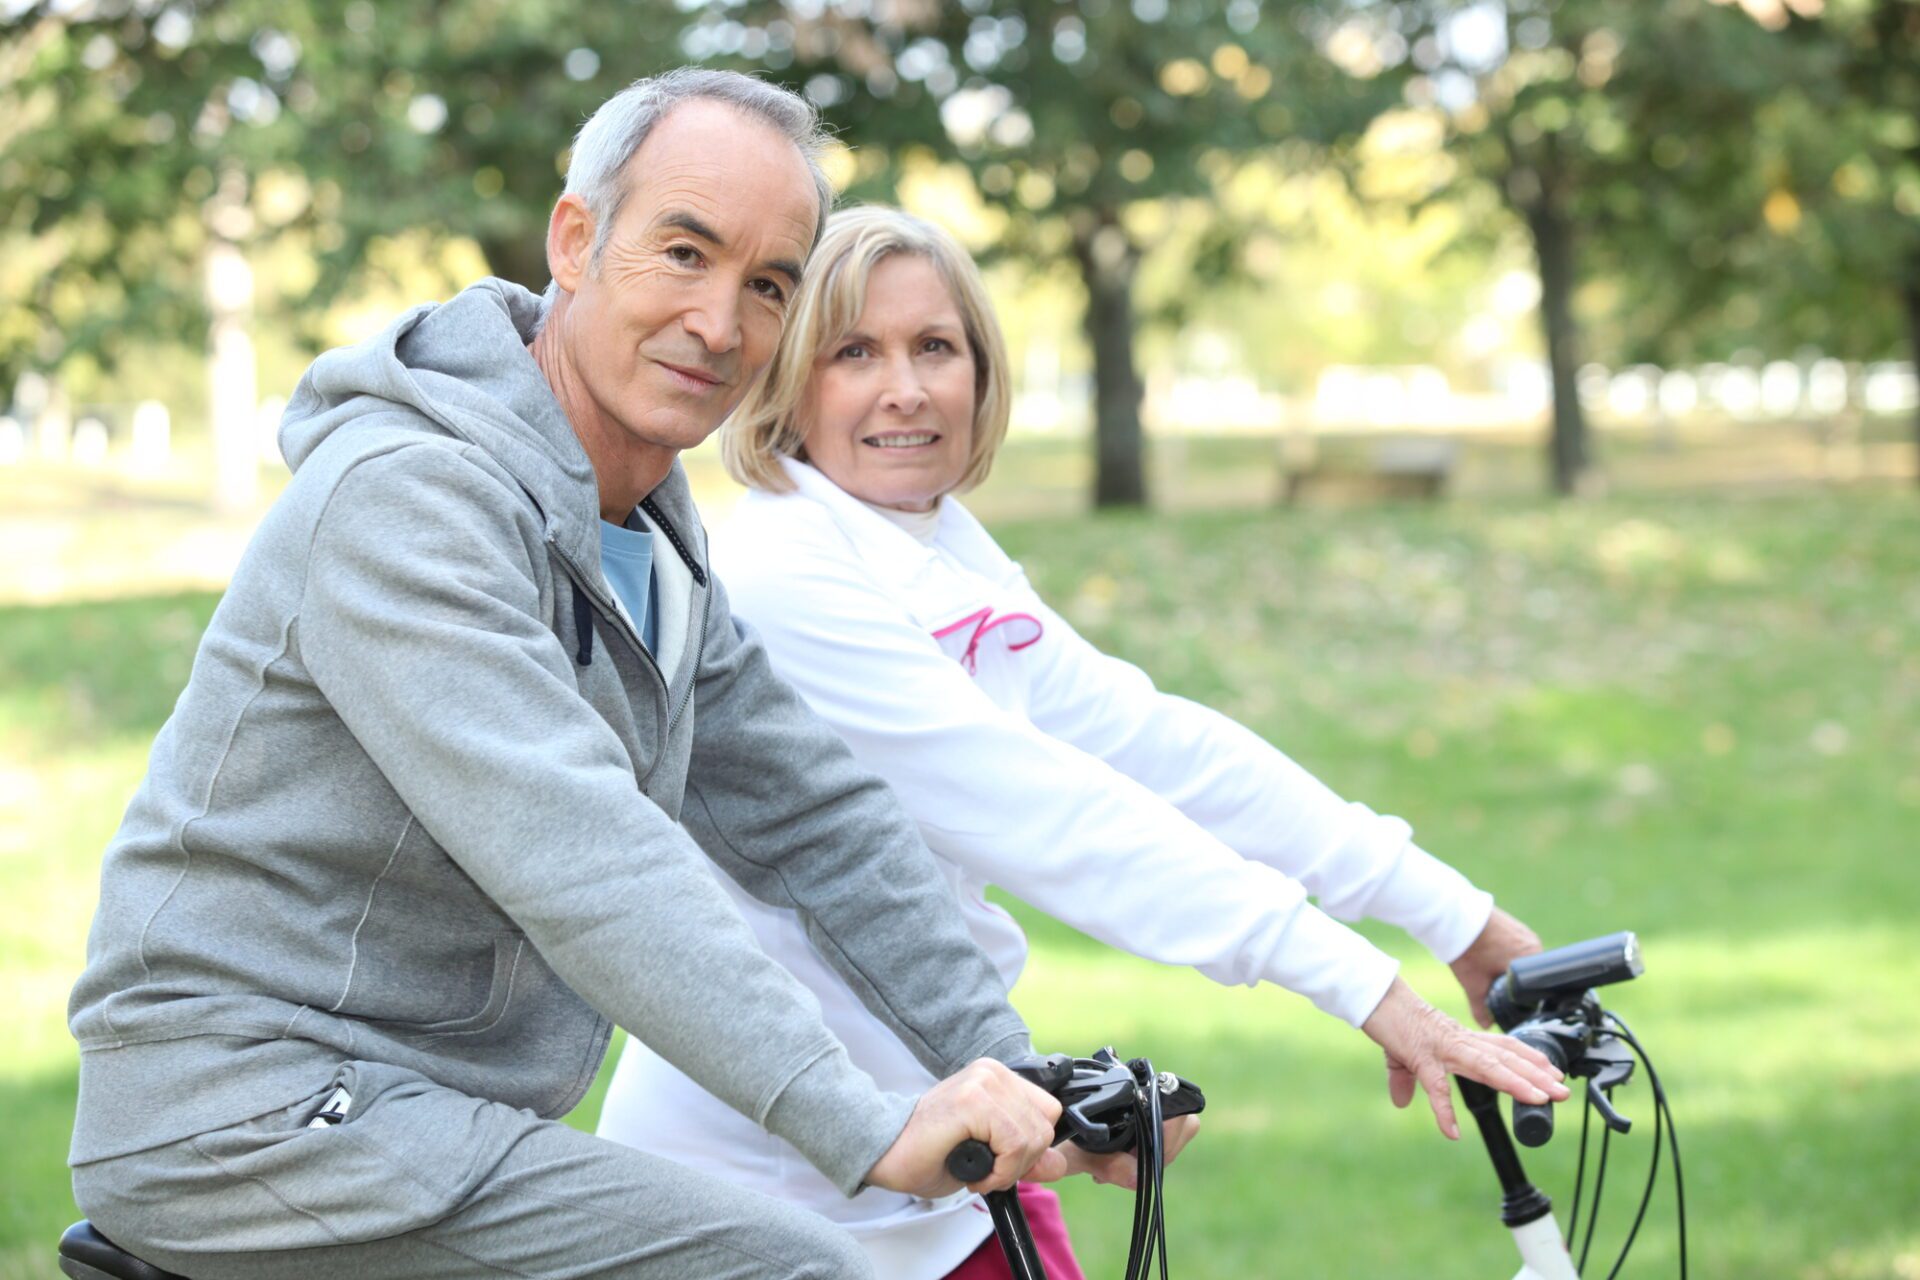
{"x":362,"y":121}
{"x":131,"y":168}
{"x":1575,"y":111}
{"x":1858,"y":178}
{"x":149,"y":153}
{"x":1788,"y":185}
{"x":1070,"y":118}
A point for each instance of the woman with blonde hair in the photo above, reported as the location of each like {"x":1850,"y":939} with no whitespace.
{"x":1030,"y":759}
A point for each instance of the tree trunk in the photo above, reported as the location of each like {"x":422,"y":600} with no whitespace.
{"x":1553,"y":247}
{"x":1910,"y":295}
{"x":1107,"y":263}
{"x":233,"y":400}
{"x":522,"y":260}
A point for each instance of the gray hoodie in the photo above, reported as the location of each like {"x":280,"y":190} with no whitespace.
{"x":426,"y":800}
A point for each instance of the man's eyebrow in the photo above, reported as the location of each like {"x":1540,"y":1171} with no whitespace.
{"x":690,"y":223}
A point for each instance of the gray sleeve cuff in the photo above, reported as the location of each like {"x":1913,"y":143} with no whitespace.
{"x":1016,"y":1043}
{"x":838,"y":1118}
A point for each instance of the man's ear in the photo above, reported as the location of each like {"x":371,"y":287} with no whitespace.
{"x":570,"y":242}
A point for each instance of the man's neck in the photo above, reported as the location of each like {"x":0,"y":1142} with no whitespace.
{"x":625,"y":469}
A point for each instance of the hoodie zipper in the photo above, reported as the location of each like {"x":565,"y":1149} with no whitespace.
{"x":699,"y":651}
{"x":701,"y":576}
{"x":608,"y":610}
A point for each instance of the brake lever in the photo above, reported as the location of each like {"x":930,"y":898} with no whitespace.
{"x":1109,"y":1092}
{"x":1104,"y":1086}
{"x":1050,"y":1073}
{"x":1607,"y":1064}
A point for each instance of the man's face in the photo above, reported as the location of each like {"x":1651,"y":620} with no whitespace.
{"x":685,"y":305}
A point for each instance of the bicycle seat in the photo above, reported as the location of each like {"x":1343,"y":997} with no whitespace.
{"x":85,"y":1254}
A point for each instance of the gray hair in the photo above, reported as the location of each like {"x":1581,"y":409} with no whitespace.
{"x":608,"y":141}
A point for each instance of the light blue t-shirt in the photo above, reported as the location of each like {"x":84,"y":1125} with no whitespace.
{"x":626,"y":557}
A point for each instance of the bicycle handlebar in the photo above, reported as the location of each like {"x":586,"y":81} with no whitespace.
{"x":1533,"y":1121}
{"x":1548,"y":1002}
{"x":1098,"y":1096}
{"x":971,"y":1161}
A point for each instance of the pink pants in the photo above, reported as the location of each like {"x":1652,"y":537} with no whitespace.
{"x":1049,"y":1236}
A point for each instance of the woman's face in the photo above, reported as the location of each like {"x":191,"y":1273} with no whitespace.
{"x":888,"y":410}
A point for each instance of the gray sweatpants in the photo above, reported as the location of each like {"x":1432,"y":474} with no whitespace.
{"x":420,"y":1182}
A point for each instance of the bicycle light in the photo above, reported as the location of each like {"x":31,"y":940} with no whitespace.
{"x":1563,"y":973}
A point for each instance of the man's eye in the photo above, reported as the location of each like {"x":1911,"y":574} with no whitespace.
{"x":769,"y":290}
{"x":683,"y":254}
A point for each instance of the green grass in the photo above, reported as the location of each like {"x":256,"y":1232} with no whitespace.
{"x":1697,"y":717}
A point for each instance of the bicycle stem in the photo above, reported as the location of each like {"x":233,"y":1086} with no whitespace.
{"x":1521,"y":1201}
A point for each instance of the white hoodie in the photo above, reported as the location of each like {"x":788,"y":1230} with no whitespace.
{"x":1035,"y":762}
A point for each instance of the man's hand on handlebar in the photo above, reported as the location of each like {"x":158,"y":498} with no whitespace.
{"x":982,"y":1100}
{"x":1425,"y":1047}
{"x":1500,"y":943}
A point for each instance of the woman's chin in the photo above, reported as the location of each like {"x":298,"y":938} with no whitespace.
{"x":896,"y":498}
{"x":901,"y":492}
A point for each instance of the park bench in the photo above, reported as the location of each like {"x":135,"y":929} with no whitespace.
{"x":1387,"y":469}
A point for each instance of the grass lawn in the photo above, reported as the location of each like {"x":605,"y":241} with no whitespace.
{"x":1697,"y":717}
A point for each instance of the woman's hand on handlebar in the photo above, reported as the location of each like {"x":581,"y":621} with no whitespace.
{"x":982,"y":1100}
{"x":1500,"y":943}
{"x":1119,"y":1169}
{"x":1426,"y":1047}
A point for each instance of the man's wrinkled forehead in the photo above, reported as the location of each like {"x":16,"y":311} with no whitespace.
{"x":725,"y":175}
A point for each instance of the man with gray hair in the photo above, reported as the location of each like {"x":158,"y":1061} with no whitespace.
{"x":441,"y":801}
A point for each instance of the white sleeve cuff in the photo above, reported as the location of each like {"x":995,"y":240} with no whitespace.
{"x":1437,"y":905}
{"x":1347,"y":975}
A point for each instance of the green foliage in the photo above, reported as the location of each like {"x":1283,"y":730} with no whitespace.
{"x":134,"y":135}
{"x":1730,"y":187}
{"x":1723,"y":187}
{"x":1077,"y":111}
{"x":1785,"y":211}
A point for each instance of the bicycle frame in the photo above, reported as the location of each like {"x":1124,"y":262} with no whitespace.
{"x":1543,"y":1255}
{"x":1525,"y":1209}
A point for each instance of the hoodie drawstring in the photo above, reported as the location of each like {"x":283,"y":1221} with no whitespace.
{"x":583,"y":626}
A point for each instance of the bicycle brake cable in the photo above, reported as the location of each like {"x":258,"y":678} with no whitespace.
{"x":1149,"y":1221}
{"x":1580,"y":1169}
{"x":1593,"y":1205}
{"x":1662,"y":1111}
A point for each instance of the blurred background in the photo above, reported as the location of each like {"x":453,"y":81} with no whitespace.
{"x":1508,"y":408}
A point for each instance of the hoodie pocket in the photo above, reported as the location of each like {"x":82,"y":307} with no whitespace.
{"x":508,"y":951}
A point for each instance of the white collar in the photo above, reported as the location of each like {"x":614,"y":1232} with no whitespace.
{"x":923,"y":525}
{"x":890,"y":550}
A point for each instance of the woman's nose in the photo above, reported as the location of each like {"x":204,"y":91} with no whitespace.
{"x":903,"y":395}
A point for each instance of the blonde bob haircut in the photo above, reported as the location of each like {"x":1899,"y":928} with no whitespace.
{"x":826,"y":307}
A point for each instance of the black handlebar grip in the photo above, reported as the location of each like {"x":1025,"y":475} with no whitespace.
{"x":1532,"y":1123}
{"x":971,"y":1161}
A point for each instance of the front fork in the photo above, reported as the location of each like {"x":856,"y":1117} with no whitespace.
{"x":1542,"y":1252}
{"x":1524,"y":1208}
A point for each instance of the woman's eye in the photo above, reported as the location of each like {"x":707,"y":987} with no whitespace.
{"x":853,"y":351}
{"x":937,"y":344}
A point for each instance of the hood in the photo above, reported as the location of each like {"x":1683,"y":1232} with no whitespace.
{"x":464,"y":366}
